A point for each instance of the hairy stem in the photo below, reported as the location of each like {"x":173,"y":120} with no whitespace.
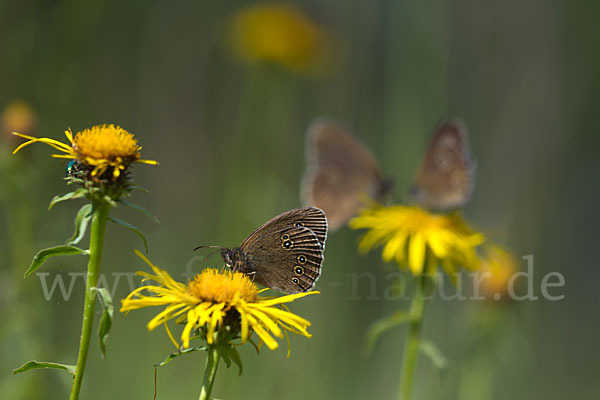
{"x":98,"y":226}
{"x":212,"y":362}
{"x":411,"y":347}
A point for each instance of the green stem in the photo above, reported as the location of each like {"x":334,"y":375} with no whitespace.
{"x":411,"y":347}
{"x":98,"y":226}
{"x":212,"y":362}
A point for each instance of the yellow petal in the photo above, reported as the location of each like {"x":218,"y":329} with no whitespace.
{"x":438,"y":244}
{"x":268,"y":322}
{"x":393,"y":246}
{"x":416,"y":254}
{"x":171,"y":336}
{"x":150,"y":162}
{"x":263,"y":335}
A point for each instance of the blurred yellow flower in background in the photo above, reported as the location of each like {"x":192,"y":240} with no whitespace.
{"x":217,"y":301}
{"x":280,"y":33}
{"x":409,"y":234}
{"x":498,"y":265}
{"x":17,"y":116}
{"x":99,"y":148}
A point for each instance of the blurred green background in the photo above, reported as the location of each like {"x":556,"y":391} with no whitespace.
{"x":229,"y":134}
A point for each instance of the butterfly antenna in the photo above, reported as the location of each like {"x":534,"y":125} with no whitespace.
{"x":219,"y":248}
{"x":213,"y":252}
{"x":208,"y":247}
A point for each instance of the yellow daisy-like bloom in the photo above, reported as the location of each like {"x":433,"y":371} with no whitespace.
{"x":99,"y":148}
{"x":498,"y":265}
{"x":414,"y":237}
{"x":17,"y":116}
{"x":214,"y":298}
{"x":278,"y":33}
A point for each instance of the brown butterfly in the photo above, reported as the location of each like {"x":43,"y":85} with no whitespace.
{"x":285,"y":253}
{"x":447,"y":174}
{"x":341,"y":174}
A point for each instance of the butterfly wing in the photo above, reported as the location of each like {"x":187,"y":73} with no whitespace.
{"x":341,"y":174}
{"x":288,"y":258}
{"x":312,"y":218}
{"x":286,"y":252}
{"x":446,"y":176}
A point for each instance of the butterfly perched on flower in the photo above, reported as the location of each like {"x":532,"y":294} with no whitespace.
{"x":285,"y":253}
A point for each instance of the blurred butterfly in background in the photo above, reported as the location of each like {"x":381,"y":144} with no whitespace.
{"x":446,"y":177}
{"x":286,"y":253}
{"x":341,"y":175}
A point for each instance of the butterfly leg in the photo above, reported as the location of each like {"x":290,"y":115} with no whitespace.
{"x":251,"y":275}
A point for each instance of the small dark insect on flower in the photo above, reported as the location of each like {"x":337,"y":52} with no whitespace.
{"x":74,"y":169}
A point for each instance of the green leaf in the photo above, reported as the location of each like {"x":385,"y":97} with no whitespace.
{"x":43,"y":255}
{"x":140,"y":209}
{"x":251,"y":341}
{"x":229,"y":353}
{"x":79,"y":193}
{"x":70,"y":180}
{"x":109,"y":200}
{"x":81,"y":222}
{"x":135,"y":187}
{"x":180,"y":353}
{"x":132,"y":228}
{"x":224,"y":354}
{"x":378,"y":327}
{"x":38,"y":365}
{"x":106,"y":320}
{"x":434,"y":354}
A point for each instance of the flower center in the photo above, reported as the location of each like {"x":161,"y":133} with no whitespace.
{"x":222,"y":287}
{"x":417,"y":220}
{"x":106,"y":142}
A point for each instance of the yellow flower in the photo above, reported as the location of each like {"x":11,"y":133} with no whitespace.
{"x":213,"y":299}
{"x":414,"y":237}
{"x":98,"y":148}
{"x":17,"y":116}
{"x":498,"y":265}
{"x":278,"y":33}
